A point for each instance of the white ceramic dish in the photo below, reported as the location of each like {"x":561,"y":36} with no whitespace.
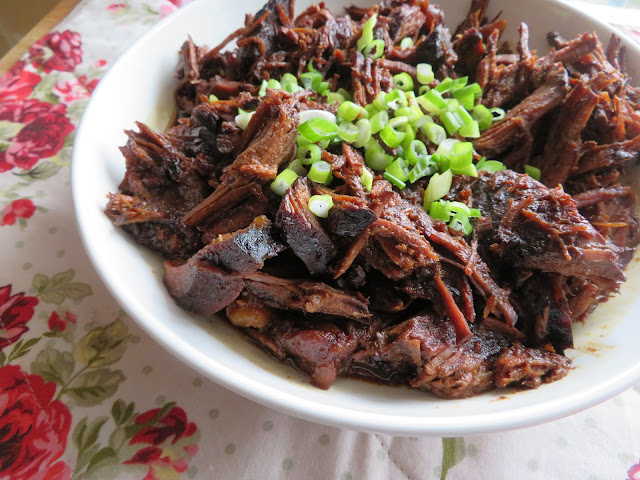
{"x":140,"y":87}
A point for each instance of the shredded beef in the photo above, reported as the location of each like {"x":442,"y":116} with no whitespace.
{"x":377,"y":288}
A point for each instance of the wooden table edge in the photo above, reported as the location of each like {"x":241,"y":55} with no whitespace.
{"x":44,"y":26}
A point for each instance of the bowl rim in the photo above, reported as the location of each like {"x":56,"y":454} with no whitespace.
{"x":309,"y":409}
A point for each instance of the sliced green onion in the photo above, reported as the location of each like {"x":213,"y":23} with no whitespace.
{"x":409,"y":136}
{"x":416,"y":151}
{"x":475,"y":213}
{"x":320,"y":205}
{"x":465,"y":97}
{"x":297,"y":167}
{"x":425,"y":73}
{"x":461,"y":156}
{"x":364,"y":126}
{"x":371,"y":110}
{"x":374,"y":49}
{"x":301,"y":141}
{"x":438,"y":187}
{"x":398,"y":121}
{"x":468,"y":95}
{"x":398,"y":168}
{"x":469,"y":170}
{"x":483,"y":116}
{"x":348,"y":111}
{"x":394,"y":180}
{"x":403,"y":81}
{"x":335,"y":97}
{"x":490,"y":165}
{"x":423,"y":89}
{"x":390,"y":136}
{"x":348,"y":132}
{"x":283,"y":181}
{"x":367,"y":179}
{"x":432,"y":101}
{"x":274,"y":84}
{"x":344,"y":93}
{"x":441,"y":161}
{"x":438,"y":210}
{"x":309,"y":154}
{"x":263,"y":89}
{"x":470,"y":130}
{"x":457,"y":207}
{"x":435,"y":133}
{"x":532,"y":171}
{"x":451,"y":122}
{"x":212,"y":98}
{"x":290,"y":83}
{"x":452,"y":104}
{"x":311,"y":80}
{"x":307,"y":115}
{"x":375,"y":156}
{"x":367,"y":32}
{"x":320,"y":172}
{"x":378,"y":121}
{"x":413,"y":113}
{"x":406,"y":42}
{"x":318,"y":129}
{"x":395,"y":99}
{"x":380,"y":101}
{"x":460,"y":222}
{"x":498,"y":114}
{"x":464,"y":115}
{"x":323,"y":88}
{"x":243,"y":119}
{"x":423,"y":168}
{"x":421,"y":123}
{"x":449,"y":84}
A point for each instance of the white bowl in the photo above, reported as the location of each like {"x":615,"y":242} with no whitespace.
{"x":140,"y":87}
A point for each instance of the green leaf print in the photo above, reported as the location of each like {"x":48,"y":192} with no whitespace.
{"x":105,"y":455}
{"x":102,"y":346}
{"x":22,"y":348}
{"x":59,"y":287}
{"x":42,"y":171}
{"x":9,"y":129}
{"x":453,"y":451}
{"x":44,"y":90}
{"x":94,"y":386}
{"x":53,"y":366}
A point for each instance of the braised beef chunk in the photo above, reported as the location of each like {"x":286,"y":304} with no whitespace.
{"x":245,"y":250}
{"x":322,"y":350}
{"x":302,"y":230}
{"x":309,"y":297}
{"x":200,"y":287}
{"x":539,"y":228}
{"x":529,"y":367}
{"x":268,"y":141}
{"x":482,"y":294}
{"x":423,"y":351}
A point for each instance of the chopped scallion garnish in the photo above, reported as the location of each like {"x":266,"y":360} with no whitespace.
{"x":438,"y":187}
{"x":425,"y":73}
{"x":406,"y":42}
{"x":318,"y":129}
{"x":320,"y":172}
{"x":309,"y":154}
{"x":283,"y":181}
{"x":320,"y":205}
{"x":403,"y":81}
{"x":498,"y":114}
{"x":533,"y":172}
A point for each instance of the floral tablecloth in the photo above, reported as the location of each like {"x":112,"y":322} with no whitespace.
{"x":85,"y":394}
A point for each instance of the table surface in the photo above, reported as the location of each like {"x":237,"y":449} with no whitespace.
{"x":84,"y":393}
